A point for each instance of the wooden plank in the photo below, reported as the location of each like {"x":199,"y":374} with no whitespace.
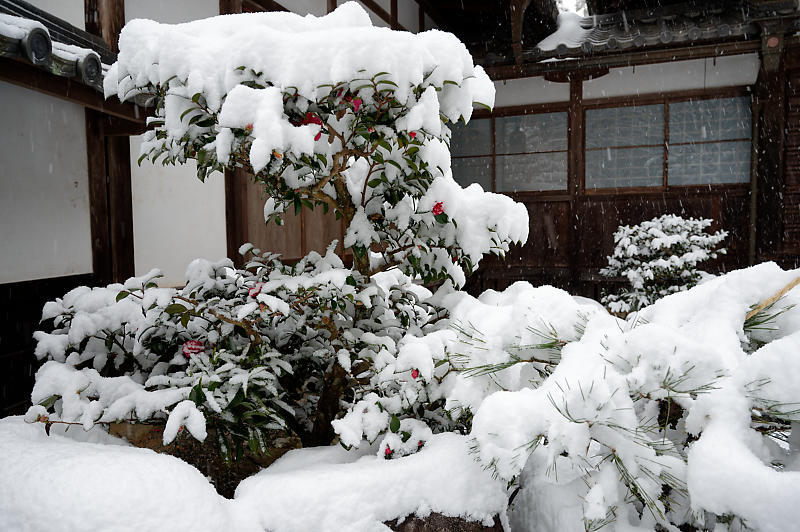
{"x":28,"y":76}
{"x":285,"y":239}
{"x":320,"y":230}
{"x":98,"y":197}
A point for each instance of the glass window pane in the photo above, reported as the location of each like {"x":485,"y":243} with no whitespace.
{"x":470,"y":170}
{"x":537,"y":171}
{"x":702,"y":164}
{"x":531,"y":133}
{"x":624,"y":167}
{"x":474,"y":138}
{"x":625,"y":126}
{"x":704,"y":120}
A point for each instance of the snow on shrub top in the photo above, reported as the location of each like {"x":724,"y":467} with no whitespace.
{"x":293,"y":51}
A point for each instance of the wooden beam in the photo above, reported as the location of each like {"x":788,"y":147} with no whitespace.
{"x":331,"y":5}
{"x":229,"y":7}
{"x":105,"y":18}
{"x":373,"y":6}
{"x":30,"y":77}
{"x":431,"y":9}
{"x":618,"y":60}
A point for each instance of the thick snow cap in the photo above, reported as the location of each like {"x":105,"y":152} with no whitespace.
{"x":293,"y":51}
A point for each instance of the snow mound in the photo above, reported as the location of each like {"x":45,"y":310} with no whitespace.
{"x":58,"y":483}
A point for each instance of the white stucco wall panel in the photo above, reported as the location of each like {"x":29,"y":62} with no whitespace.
{"x":69,"y":10}
{"x":408,"y":15}
{"x":45,"y":229}
{"x":674,"y":76}
{"x":176,"y":218}
{"x":529,"y":91}
{"x":317,"y":8}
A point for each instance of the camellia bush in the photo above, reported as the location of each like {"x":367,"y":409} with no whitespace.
{"x":327,"y":113}
{"x":659,"y":257}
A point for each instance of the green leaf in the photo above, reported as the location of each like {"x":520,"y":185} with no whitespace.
{"x":394,"y":424}
{"x":196,"y":97}
{"x":122,"y":295}
{"x":442,"y":218}
{"x":374,"y":182}
{"x":390,"y":82}
{"x":322,"y":158}
{"x":351,"y":280}
{"x":141,"y":158}
{"x":185,"y":319}
{"x":175,"y":308}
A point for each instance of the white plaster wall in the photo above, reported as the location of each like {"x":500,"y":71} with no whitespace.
{"x":45,"y":228}
{"x":176,"y":218}
{"x":376,"y":20}
{"x":679,"y":75}
{"x":69,"y":10}
{"x":528,"y":91}
{"x":317,"y":8}
{"x":408,"y":15}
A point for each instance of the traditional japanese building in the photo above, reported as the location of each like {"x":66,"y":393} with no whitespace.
{"x":637,"y":109}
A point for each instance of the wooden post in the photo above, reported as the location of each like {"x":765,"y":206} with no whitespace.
{"x":575,"y":143}
{"x":105,"y":18}
{"x":331,"y":5}
{"x":98,"y":197}
{"x":770,"y":89}
{"x":109,"y":166}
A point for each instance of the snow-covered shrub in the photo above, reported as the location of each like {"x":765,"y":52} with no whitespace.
{"x":654,"y":423}
{"x":244,"y":350}
{"x":659,"y":257}
{"x":327,"y":113}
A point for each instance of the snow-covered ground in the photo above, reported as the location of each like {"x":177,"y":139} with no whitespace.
{"x":90,"y":481}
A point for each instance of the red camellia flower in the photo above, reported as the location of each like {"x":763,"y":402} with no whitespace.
{"x":248,"y":127}
{"x":413,"y":134}
{"x":414,"y":373}
{"x":356,"y":104}
{"x":438,"y":208}
{"x":388,"y":452}
{"x":256,"y":289}
{"x":318,"y":136}
{"x":192,"y":347}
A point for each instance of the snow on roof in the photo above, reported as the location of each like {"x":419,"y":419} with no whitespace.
{"x":22,"y":37}
{"x":681,"y":24}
